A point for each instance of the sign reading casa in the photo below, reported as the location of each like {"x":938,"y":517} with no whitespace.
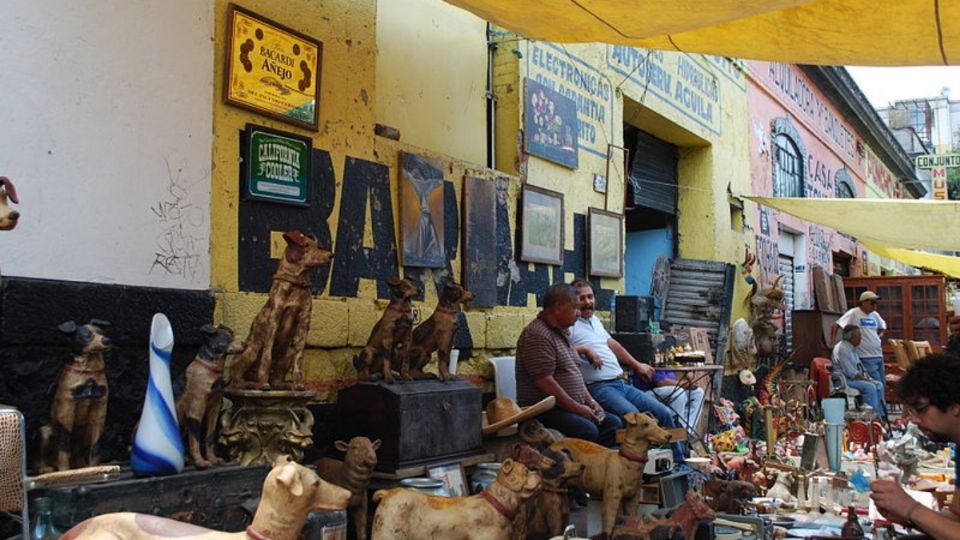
{"x":932,"y":161}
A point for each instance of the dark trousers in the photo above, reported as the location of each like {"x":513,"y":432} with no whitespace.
{"x":578,"y":427}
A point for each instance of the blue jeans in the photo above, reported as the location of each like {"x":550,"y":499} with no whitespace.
{"x":578,"y":427}
{"x":619,"y":398}
{"x":874,"y":367}
{"x":872,"y":394}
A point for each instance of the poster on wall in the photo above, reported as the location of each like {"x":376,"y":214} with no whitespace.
{"x":541,"y":221}
{"x":550,"y":125}
{"x":605,"y":243}
{"x":276,"y":166}
{"x":480,"y":240}
{"x":271,"y":69}
{"x":421,"y":212}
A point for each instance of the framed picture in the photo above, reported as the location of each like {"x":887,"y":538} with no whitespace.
{"x":604,"y":243}
{"x":276,"y":166}
{"x":550,"y":125}
{"x":541,"y":222}
{"x":421,"y":212}
{"x":453,"y":477}
{"x":480,"y":239}
{"x":272,"y":69}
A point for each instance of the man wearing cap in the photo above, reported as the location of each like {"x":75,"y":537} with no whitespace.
{"x":872,"y":326}
{"x":600,"y":365}
{"x":547,"y":366}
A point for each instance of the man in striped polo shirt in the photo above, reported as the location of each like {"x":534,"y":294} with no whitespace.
{"x":547,"y":365}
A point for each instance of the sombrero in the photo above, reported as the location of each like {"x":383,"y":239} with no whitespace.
{"x":503,"y":411}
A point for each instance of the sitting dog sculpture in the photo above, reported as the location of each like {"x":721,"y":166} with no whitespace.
{"x":198,"y":409}
{"x":615,"y":475}
{"x":389,"y":342}
{"x":728,"y":496}
{"x":8,"y":194}
{"x":436,"y":334}
{"x":353,"y":473}
{"x":79,"y":405}
{"x":405,"y":514}
{"x":290,"y":491}
{"x":550,"y":512}
{"x":278,"y":334}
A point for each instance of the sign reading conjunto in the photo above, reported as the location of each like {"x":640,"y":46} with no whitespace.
{"x":932,"y":161}
{"x":277,"y":166}
{"x":272,"y":69}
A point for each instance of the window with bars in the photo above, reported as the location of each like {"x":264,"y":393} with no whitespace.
{"x":788,"y":168}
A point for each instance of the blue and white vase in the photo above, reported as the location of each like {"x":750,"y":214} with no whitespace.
{"x":157,"y":446}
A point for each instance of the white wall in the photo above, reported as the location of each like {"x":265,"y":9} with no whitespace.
{"x":106,"y":129}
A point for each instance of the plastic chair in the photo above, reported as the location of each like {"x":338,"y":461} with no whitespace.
{"x":505,"y":376}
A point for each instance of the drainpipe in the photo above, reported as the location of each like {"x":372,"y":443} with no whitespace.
{"x":491,"y":105}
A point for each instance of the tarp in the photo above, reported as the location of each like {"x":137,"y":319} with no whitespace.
{"x":823,"y":32}
{"x":939,"y":263}
{"x":888,"y":223}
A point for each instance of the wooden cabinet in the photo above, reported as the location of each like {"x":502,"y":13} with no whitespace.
{"x":811,"y":335}
{"x":914,"y":307}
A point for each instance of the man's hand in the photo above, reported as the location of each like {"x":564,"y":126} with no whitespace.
{"x":593,"y":358}
{"x":586,"y":412}
{"x":891,"y":500}
{"x":862,"y":377}
{"x":645,"y":370}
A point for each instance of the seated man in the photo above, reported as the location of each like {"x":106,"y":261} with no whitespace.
{"x":602,"y":371}
{"x":685,"y":399}
{"x":846,"y":361}
{"x":547,"y":365}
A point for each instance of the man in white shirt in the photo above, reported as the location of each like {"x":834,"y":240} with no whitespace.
{"x":872,"y":326}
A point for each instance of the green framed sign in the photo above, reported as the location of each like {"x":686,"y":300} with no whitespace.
{"x":277,"y":166}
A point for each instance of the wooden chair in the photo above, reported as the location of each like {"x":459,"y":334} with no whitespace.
{"x":900,"y":354}
{"x":917,"y":350}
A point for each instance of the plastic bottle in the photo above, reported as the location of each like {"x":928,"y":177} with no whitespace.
{"x":43,"y":528}
{"x":852,"y":528}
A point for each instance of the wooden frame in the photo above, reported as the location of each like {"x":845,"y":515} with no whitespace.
{"x":272,"y":69}
{"x":454,"y":478}
{"x":422,"y":200}
{"x":479,"y":239}
{"x":604,"y":243}
{"x":550,"y":125}
{"x":541,"y":223}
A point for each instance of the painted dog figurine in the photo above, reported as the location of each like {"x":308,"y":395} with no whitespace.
{"x":278,"y":334}
{"x":389,"y":341}
{"x":8,"y":194}
{"x":198,"y":408}
{"x":436,"y":334}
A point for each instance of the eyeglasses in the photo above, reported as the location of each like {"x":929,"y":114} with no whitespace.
{"x":918,"y":408}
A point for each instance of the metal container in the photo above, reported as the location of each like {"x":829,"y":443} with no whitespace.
{"x":430,"y":486}
{"x":326,"y":526}
{"x":483,"y":475}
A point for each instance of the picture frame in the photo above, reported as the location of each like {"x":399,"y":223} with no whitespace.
{"x":276,"y":166}
{"x":453,"y":476}
{"x":272,"y":69}
{"x":551,"y":126}
{"x":422,"y":200}
{"x":541,"y":224}
{"x":604,"y":243}
{"x":479,"y":231}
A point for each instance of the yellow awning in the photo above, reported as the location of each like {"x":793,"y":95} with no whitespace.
{"x":824,"y":32}
{"x":944,"y":264}
{"x":889,"y":223}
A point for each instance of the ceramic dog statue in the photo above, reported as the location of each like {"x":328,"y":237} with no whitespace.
{"x":389,"y":342}
{"x":290,"y":491}
{"x":198,"y":408}
{"x":615,"y":475}
{"x":405,"y":514}
{"x":436,"y":334}
{"x":550,"y":511}
{"x":8,"y":194}
{"x":278,"y":334}
{"x":681,"y":525}
{"x":353,"y":473}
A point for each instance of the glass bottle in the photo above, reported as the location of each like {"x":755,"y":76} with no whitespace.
{"x":852,"y":528}
{"x":43,"y":528}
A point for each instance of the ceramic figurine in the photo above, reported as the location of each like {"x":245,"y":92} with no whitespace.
{"x":278,"y":334}
{"x":436,"y":334}
{"x":353,"y":473}
{"x":550,"y":512}
{"x":8,"y":194}
{"x":389,"y":342}
{"x":157,"y":447}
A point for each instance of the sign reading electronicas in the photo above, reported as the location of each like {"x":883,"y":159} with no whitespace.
{"x":277,"y":166}
{"x":932,"y":161}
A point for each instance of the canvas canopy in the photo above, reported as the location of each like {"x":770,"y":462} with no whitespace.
{"x":944,"y":264}
{"x":823,"y":32}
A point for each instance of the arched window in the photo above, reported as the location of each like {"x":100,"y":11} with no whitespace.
{"x":787,"y":167}
{"x":844,"y":185}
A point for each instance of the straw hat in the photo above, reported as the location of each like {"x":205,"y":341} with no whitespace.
{"x":503,"y":411}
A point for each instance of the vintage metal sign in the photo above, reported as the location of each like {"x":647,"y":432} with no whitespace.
{"x":932,"y":161}
{"x":277,"y":166}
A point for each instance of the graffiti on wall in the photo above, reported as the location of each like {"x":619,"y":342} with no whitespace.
{"x":179,"y":242}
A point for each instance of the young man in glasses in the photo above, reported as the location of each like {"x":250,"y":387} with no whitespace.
{"x":865,"y":317}
{"x":929,"y":389}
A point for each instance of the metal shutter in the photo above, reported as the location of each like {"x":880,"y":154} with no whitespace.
{"x":786,"y":270}
{"x":653,"y":174}
{"x":700,"y":295}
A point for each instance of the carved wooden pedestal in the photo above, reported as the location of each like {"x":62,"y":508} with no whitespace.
{"x":264,"y":424}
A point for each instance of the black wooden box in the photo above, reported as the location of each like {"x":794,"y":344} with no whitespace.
{"x":418,"y":422}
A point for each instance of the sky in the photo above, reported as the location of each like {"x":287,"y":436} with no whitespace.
{"x":883,"y":85}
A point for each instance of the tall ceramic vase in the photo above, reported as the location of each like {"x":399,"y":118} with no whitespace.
{"x":157,"y":446}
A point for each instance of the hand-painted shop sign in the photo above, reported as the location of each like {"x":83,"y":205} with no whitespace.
{"x":931,"y":161}
{"x":277,"y":166}
{"x":550,"y":124}
{"x":554,"y":67}
{"x":679,"y":80}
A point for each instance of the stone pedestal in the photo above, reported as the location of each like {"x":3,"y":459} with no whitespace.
{"x":264,"y":424}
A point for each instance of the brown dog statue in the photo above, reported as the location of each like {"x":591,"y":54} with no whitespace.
{"x":278,"y":334}
{"x":550,"y":511}
{"x":405,"y":514}
{"x":79,"y":405}
{"x":8,"y":194}
{"x":353,"y":473}
{"x":389,"y":342}
{"x":198,"y":408}
{"x":615,"y":475}
{"x":436,"y":334}
{"x":681,"y":525}
{"x":290,"y":491}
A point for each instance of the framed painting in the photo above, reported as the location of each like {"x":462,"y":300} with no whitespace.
{"x":421,"y":212}
{"x":272,"y":69}
{"x":453,"y":477}
{"x":541,"y":222}
{"x":604,"y":243}
{"x":550,"y":125}
{"x":479,"y":212}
